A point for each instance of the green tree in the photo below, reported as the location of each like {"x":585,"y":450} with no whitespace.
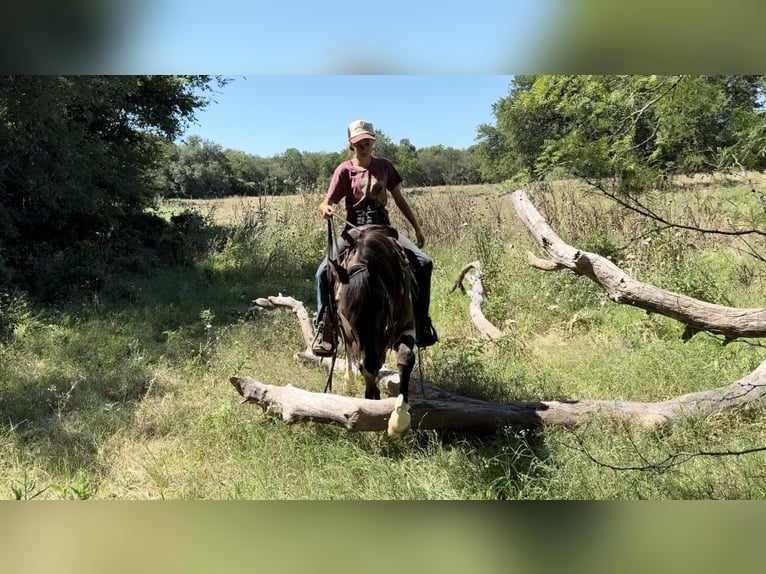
{"x":385,"y":147}
{"x":312,"y":165}
{"x":328,"y":163}
{"x":249,"y":171}
{"x":460,"y":167}
{"x":75,"y":173}
{"x":525,"y":121}
{"x":706,"y":122}
{"x":430,"y":167}
{"x":298,"y":170}
{"x":631,"y":130}
{"x":199,"y":169}
{"x":407,"y":161}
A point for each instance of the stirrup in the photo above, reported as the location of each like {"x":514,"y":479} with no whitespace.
{"x":427,"y":334}
{"x":319,"y":346}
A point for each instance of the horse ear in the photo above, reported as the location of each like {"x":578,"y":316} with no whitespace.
{"x":340,"y":271}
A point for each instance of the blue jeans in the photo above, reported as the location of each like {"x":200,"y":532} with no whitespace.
{"x":421,"y":263}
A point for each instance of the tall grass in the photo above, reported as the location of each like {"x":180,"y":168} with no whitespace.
{"x":126,"y":395}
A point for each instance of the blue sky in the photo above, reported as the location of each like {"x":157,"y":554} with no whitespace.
{"x":265,"y":115}
{"x":332,"y":37}
{"x":423,"y":70}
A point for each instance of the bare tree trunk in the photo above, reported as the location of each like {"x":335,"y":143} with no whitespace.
{"x":443,"y":410}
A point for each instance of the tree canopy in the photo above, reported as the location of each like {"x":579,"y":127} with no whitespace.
{"x":630,"y":130}
{"x":199,"y":168}
{"x":76,"y":153}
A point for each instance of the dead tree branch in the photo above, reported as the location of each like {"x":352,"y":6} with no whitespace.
{"x":307,"y":329}
{"x":697,"y":315}
{"x":670,"y":461}
{"x":476,"y":295}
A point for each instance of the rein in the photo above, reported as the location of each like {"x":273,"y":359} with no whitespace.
{"x":334,"y":215}
{"x":331,"y":245}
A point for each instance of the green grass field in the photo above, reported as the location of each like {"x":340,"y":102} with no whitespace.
{"x":126,"y":395}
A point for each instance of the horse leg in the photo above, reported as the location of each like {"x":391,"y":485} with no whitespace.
{"x":371,"y":390}
{"x":348,"y":379}
{"x":399,"y":421}
{"x":372,"y":361}
{"x":370,"y":367}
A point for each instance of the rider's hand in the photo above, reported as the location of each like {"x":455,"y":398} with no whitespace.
{"x":327,"y":210}
{"x":420,"y":238}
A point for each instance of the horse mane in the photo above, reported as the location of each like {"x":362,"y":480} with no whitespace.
{"x":378,"y":283}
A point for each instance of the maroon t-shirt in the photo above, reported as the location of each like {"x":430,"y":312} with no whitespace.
{"x":359,"y":186}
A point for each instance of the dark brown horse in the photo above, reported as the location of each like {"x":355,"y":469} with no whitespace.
{"x":375,"y":312}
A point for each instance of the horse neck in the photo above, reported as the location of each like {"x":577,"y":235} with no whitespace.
{"x":374,"y":273}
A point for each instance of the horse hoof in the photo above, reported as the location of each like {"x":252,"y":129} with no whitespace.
{"x":397,"y":434}
{"x":399,"y":422}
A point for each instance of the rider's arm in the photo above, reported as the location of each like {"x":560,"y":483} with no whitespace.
{"x":406,"y":210}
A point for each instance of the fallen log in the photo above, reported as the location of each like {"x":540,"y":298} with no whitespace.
{"x":357,"y":414}
{"x":265,"y":303}
{"x":433,"y":408}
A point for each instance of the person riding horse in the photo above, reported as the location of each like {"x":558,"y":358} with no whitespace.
{"x":364,"y":183}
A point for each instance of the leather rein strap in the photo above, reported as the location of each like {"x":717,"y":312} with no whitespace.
{"x":331,"y":246}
